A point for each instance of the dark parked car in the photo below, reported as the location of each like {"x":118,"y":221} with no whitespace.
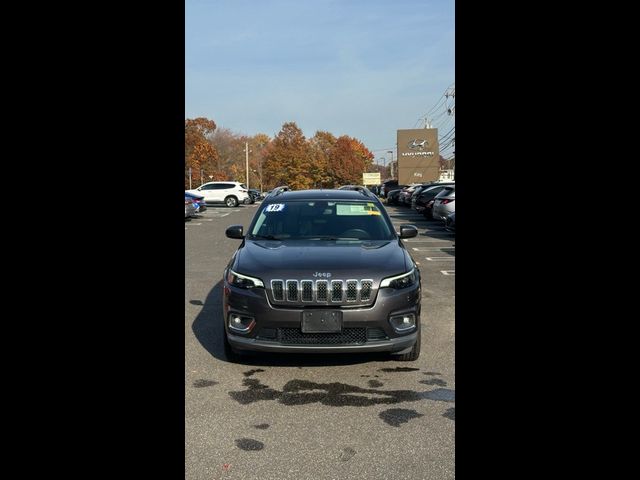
{"x":255,"y":195}
{"x":406,"y":193}
{"x":394,"y":195}
{"x":322,"y":271}
{"x":387,"y":186}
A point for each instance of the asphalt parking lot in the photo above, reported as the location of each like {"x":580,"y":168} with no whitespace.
{"x":317,"y":416}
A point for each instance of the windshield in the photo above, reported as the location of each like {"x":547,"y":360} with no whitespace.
{"x":321,"y":220}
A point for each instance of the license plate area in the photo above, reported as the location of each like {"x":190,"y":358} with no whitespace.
{"x":321,"y":321}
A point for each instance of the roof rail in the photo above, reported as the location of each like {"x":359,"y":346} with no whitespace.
{"x":279,"y":190}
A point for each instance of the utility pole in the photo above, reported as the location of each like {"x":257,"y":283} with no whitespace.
{"x":246,"y":149}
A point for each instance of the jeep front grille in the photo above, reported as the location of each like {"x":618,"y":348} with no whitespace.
{"x":292,"y":290}
{"x":322,"y":291}
{"x":352,"y":290}
{"x":307,"y":290}
{"x":277,"y":289}
{"x":336,"y":290}
{"x":365,"y":290}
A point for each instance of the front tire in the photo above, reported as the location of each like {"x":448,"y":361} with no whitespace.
{"x":231,"y":202}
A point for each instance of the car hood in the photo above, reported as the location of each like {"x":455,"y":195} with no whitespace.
{"x":315,"y":260}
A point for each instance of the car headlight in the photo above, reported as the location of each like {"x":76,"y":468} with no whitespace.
{"x":401,"y":281}
{"x":243,"y":281}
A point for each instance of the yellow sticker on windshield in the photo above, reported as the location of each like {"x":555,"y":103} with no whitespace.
{"x":357,"y":209}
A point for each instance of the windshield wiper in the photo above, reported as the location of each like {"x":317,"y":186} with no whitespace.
{"x":264,"y":237}
{"x":329,"y":237}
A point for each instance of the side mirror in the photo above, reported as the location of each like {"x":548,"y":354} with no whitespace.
{"x":237,"y":231}
{"x":408,"y":231}
{"x":199,"y":188}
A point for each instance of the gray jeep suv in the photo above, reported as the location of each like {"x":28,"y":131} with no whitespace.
{"x":322,"y":271}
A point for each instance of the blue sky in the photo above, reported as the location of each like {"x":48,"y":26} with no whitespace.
{"x":349,"y":67}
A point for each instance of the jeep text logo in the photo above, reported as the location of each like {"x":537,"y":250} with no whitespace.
{"x":322,"y":275}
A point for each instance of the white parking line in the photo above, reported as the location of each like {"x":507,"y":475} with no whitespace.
{"x":431,"y":249}
{"x":448,"y":272}
{"x":440,"y":259}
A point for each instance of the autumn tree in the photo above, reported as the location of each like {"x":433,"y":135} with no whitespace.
{"x":322,"y":146}
{"x":323,"y":161}
{"x":348,"y":160}
{"x":259,"y":145}
{"x":288,"y":160}
{"x":230,"y":147}
{"x":200,"y":155}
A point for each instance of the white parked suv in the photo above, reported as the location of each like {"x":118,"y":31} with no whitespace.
{"x":229,"y":193}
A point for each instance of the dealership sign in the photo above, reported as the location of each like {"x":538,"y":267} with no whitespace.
{"x":417,"y":146}
{"x":418,"y":155}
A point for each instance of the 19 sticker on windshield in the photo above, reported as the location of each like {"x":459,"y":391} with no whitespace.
{"x":274,"y":207}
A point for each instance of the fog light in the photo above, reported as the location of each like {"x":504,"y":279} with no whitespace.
{"x":240,"y":323}
{"x":403,"y":323}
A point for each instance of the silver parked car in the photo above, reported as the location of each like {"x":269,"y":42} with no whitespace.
{"x":444,"y":203}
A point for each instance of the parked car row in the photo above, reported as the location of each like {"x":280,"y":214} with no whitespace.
{"x":435,"y":200}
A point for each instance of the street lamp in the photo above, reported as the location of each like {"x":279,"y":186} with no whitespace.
{"x":246,"y":150}
{"x":260,"y":174}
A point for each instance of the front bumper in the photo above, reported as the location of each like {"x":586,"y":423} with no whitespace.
{"x":262,"y":345}
{"x":375,"y":333}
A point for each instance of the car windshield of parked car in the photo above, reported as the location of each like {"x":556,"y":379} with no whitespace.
{"x":446,"y":191}
{"x":321,"y":220}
